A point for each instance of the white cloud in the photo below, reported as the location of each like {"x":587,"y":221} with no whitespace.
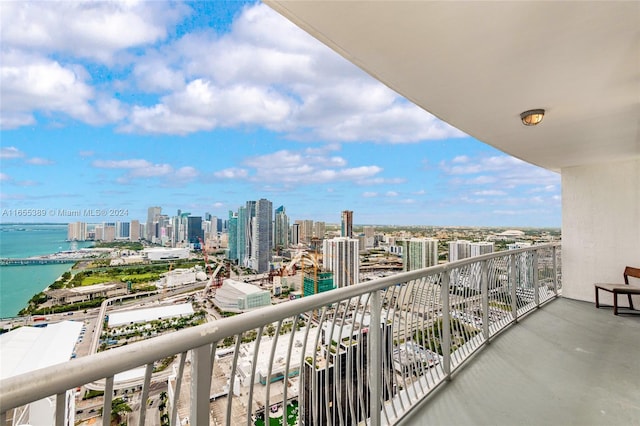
{"x":267,"y":72}
{"x":391,"y":194}
{"x":11,"y":152}
{"x":30,"y":83}
{"x":289,"y":168}
{"x":5,"y":177}
{"x":37,"y":161}
{"x":232,"y":173}
{"x":91,"y":29}
{"x":263,"y":72}
{"x":203,"y":106}
{"x":500,"y":180}
{"x":489,"y":192}
{"x":369,"y":194}
{"x":143,"y":169}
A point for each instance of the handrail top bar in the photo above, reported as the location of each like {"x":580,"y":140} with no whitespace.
{"x":22,"y":389}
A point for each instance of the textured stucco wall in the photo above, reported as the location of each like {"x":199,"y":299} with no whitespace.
{"x":600,"y":226}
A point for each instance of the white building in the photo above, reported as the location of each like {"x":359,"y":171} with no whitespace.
{"x":483,"y":247}
{"x":459,"y":250}
{"x":137,"y":316}
{"x":419,"y":253}
{"x":27,"y":349}
{"x":162,"y":253}
{"x":238,"y":296}
{"x":341,"y":256}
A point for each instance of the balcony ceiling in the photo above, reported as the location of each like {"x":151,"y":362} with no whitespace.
{"x":478,"y":65}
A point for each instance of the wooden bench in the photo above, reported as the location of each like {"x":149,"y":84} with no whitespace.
{"x":617,"y":289}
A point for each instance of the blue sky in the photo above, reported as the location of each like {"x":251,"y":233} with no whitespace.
{"x":202,"y":106}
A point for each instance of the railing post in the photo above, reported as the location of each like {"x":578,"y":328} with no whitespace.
{"x":108,"y":397}
{"x":555,"y":272}
{"x":514,"y":284}
{"x":201,"y":371}
{"x":375,"y":348}
{"x":145,"y":394}
{"x":484,"y":290}
{"x":61,"y":408}
{"x":446,"y":325}
{"x":536,"y":283}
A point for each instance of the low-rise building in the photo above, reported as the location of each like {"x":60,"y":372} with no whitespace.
{"x":238,"y":296}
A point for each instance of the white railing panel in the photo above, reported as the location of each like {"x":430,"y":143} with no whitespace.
{"x":366,"y":353}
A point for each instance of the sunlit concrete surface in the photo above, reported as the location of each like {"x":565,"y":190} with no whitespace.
{"x":567,"y":364}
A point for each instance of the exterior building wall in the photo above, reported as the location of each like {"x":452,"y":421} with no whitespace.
{"x":600,"y":226}
{"x":478,"y":249}
{"x":341,"y":256}
{"x":459,"y":250}
{"x":281,"y":229}
{"x":419,"y":253}
{"x":134,"y":230}
{"x":262,"y":235}
{"x":346,"y":226}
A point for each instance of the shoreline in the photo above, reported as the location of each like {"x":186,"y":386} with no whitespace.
{"x":76,"y":255}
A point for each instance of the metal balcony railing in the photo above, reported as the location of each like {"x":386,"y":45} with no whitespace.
{"x":368,"y":352}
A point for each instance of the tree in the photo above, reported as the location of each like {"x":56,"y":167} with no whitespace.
{"x":118,"y":408}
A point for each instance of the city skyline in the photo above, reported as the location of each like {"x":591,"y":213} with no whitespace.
{"x":204,"y":107}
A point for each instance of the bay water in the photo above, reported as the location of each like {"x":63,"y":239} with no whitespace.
{"x":19,"y":283}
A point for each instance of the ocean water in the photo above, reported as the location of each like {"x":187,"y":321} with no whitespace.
{"x":19,"y":283}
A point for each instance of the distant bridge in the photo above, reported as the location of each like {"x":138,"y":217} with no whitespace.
{"x":35,"y":261}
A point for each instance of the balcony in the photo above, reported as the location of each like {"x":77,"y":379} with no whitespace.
{"x":568,"y":364}
{"x":324,"y":355}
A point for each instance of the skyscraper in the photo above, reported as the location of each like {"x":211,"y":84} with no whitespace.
{"x":319,"y":230}
{"x":134,"y":230}
{"x":195,"y":233}
{"x":346,"y":228}
{"x":241,"y":233}
{"x":123,"y":230}
{"x":77,"y":231}
{"x":340,"y":255}
{"x":281,"y":229}
{"x":233,"y":236}
{"x":418,"y":253}
{"x":481,"y":248}
{"x":295,"y":234}
{"x":369,"y":237}
{"x":459,"y":250}
{"x":262,"y":235}
{"x":250,"y":214}
{"x":152,"y":218}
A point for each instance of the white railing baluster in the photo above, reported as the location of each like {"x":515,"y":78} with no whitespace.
{"x":484,"y":291}
{"x":176,"y":395}
{"x":446,"y":325}
{"x":61,"y":409}
{"x":108,"y":396}
{"x":375,"y":349}
{"x":200,"y":385}
{"x":254,"y":368}
{"x":514,"y":285}
{"x":555,"y":270}
{"x":536,"y":278}
{"x":145,"y":394}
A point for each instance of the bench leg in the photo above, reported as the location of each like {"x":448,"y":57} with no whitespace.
{"x":597,"y":300}
{"x":630,"y":301}
{"x":615,"y":303}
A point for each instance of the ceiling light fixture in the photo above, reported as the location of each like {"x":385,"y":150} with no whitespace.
{"x":532,"y":117}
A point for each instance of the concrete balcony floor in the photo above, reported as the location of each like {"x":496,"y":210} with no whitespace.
{"x":567,"y":364}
